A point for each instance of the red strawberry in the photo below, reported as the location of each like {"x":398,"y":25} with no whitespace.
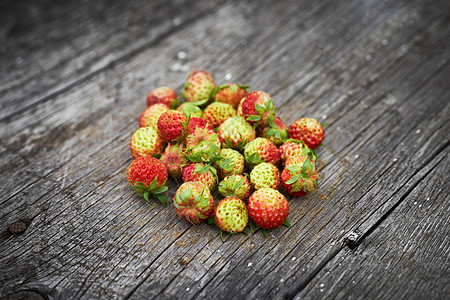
{"x":307,"y":130}
{"x":261,"y":150}
{"x":170,"y":126}
{"x":293,"y":148}
{"x":230,"y":93}
{"x":146,"y":142}
{"x":174,"y":159}
{"x":195,"y":122}
{"x":164,"y":95}
{"x":147,"y":175}
{"x":201,"y":173}
{"x":198,"y":87}
{"x":258,"y":108}
{"x":150,"y":116}
{"x":276,"y":131}
{"x":299,"y":178}
{"x":217,"y":112}
{"x":231,"y":215}
{"x":268,"y":208}
{"x":193,"y":202}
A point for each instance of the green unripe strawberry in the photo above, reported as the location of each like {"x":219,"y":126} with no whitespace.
{"x":202,"y":146}
{"x":217,"y":112}
{"x":265,"y":175}
{"x":232,"y":162}
{"x":198,"y":87}
{"x":193,"y":202}
{"x":150,"y":116}
{"x":190,"y":109}
{"x":146,"y":141}
{"x":231,"y":215}
{"x":235,"y":133}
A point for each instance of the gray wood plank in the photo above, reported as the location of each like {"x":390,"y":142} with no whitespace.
{"x":406,"y":257}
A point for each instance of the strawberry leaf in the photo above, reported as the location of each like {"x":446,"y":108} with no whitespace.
{"x":254,"y":118}
{"x":293,"y":179}
{"x":252,"y":226}
{"x":200,"y":102}
{"x":211,"y":220}
{"x":239,"y":184}
{"x":162,"y":198}
{"x":286,"y":223}
{"x":259,"y":108}
{"x":200,"y":169}
{"x":266,"y":232}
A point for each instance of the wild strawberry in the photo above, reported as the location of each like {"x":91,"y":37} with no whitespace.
{"x":164,"y":95}
{"x":174,"y":159}
{"x":146,"y":141}
{"x":151,"y":114}
{"x":232,"y":162}
{"x":202,"y":146}
{"x":261,"y":150}
{"x":195,"y":122}
{"x":299,"y":178}
{"x":235,"y":186}
{"x":258,"y":108}
{"x":147,"y":175}
{"x":307,"y":130}
{"x":235,"y":133}
{"x":230,"y":93}
{"x":193,"y":202}
{"x":268,"y":208}
{"x":265,"y":175}
{"x":239,"y":108}
{"x":217,"y":112}
{"x":190,"y":109}
{"x":170,"y":126}
{"x":231,"y":215}
{"x":292,"y":148}
{"x":276,"y":131}
{"x":201,"y":173}
{"x":198,"y":87}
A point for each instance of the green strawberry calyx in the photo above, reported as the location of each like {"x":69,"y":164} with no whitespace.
{"x":152,"y":190}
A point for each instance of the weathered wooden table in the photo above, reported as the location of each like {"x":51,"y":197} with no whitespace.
{"x":74,"y":77}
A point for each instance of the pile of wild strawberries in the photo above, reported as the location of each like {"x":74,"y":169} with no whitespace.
{"x":236,"y":132}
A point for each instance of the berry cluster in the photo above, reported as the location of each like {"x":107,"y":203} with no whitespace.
{"x":210,"y":140}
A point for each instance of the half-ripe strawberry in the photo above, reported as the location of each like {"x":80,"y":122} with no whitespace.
{"x":292,"y":148}
{"x":235,"y":133}
{"x":147,"y":175}
{"x":258,"y":108}
{"x":175,"y":160}
{"x":164,"y":95}
{"x":170,"y":126}
{"x":201,"y":173}
{"x":231,"y":93}
{"x":265,"y":175}
{"x":231,"y":162}
{"x":307,"y":130}
{"x":261,"y":150}
{"x":300,"y":176}
{"x":146,"y":141}
{"x":231,"y":215}
{"x":235,"y":186}
{"x":193,"y":202}
{"x":195,"y":122}
{"x":150,"y":116}
{"x":217,"y":112}
{"x":275,"y":131}
{"x":202,"y":146}
{"x":198,"y":87}
{"x":268,"y":208}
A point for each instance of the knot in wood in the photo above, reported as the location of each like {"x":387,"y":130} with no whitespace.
{"x":352,"y":239}
{"x":17,"y":227}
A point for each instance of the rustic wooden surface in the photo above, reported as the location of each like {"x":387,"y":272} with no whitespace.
{"x":73,"y":81}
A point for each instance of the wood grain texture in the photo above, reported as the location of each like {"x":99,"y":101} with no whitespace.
{"x":375,"y":72}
